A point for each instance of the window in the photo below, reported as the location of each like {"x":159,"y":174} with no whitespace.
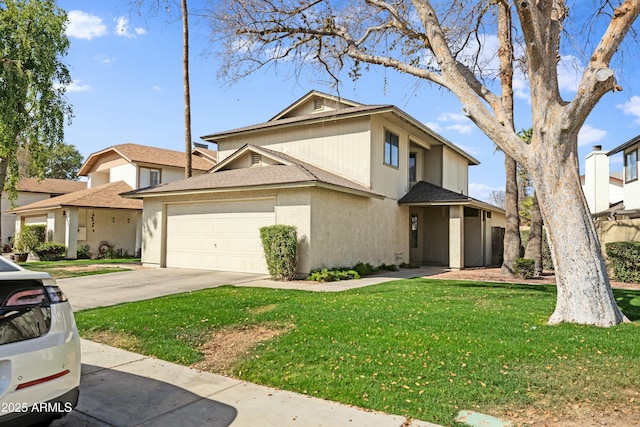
{"x":414,"y":230}
{"x":631,"y":165}
{"x":154,"y":177}
{"x":412,"y":167}
{"x":390,"y":149}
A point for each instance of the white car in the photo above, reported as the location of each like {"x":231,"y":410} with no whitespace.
{"x":39,"y":348}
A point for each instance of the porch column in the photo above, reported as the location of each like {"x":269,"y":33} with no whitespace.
{"x":138,"y":246}
{"x":456,"y":237}
{"x":71,"y":232}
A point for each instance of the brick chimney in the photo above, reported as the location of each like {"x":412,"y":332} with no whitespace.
{"x":596,"y":179}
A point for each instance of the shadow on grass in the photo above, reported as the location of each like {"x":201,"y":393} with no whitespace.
{"x":628,"y":300}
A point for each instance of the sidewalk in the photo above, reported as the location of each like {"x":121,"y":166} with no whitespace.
{"x":120,"y":388}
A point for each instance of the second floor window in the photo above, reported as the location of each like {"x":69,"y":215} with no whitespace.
{"x":412,"y":167}
{"x":391,"y":148}
{"x":154,"y":177}
{"x":631,"y":165}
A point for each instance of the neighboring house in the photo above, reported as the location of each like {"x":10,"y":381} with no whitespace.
{"x":362,"y":183}
{"x":98,"y":214}
{"x":30,"y":190}
{"x":616,"y":220}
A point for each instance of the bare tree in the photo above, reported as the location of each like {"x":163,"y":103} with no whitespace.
{"x":432,"y":41}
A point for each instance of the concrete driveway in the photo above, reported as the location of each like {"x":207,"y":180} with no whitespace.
{"x":114,"y":288}
{"x":120,"y":388}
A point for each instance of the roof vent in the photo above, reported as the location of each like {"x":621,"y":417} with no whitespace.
{"x":318,"y":104}
{"x":256,"y":159}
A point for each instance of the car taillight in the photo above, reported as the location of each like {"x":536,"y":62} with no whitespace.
{"x":27,"y":297}
{"x":55,"y":294}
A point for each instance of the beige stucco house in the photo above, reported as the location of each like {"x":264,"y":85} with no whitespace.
{"x":362,"y":183}
{"x":98,"y":214}
{"x":30,"y":190}
{"x":617,"y":219}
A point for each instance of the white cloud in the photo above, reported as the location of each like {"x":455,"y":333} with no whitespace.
{"x":78,"y":86}
{"x":105,"y":59}
{"x":482,"y":191}
{"x":84,"y":25}
{"x":123,"y":29}
{"x":455,"y":122}
{"x":588,"y":135}
{"x":570,"y":72}
{"x":461,"y":128}
{"x":631,"y":107}
{"x":434,"y":126}
{"x":156,"y":88}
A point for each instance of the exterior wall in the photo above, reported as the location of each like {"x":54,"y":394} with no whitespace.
{"x":455,"y":172}
{"x":339,"y":147}
{"x":115,"y":226}
{"x":97,"y":179}
{"x":334,"y":229}
{"x":474,"y":239}
{"x":433,"y":165}
{"x":388,"y":180}
{"x":348,"y":229}
{"x":127,"y":173}
{"x":435,"y":235}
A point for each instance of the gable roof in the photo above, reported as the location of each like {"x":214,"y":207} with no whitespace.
{"x":103,"y":196}
{"x":50,"y":185}
{"x":426,"y":194}
{"x":289,"y":172}
{"x":351,"y":110}
{"x":134,"y":153}
{"x":310,"y":95}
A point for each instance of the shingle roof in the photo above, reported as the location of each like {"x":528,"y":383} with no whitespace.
{"x":293,"y":172}
{"x":50,"y":185}
{"x":425,"y":192}
{"x":104,"y":196}
{"x":135,"y":153}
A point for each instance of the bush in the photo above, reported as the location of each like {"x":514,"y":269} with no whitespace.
{"x":84,"y":252}
{"x":280,"y":244}
{"x":524,"y":267}
{"x":51,"y":251}
{"x":333,"y":275}
{"x":363,"y":269}
{"x":29,"y":238}
{"x":625,"y":257}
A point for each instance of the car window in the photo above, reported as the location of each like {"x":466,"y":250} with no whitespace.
{"x":6,"y":265}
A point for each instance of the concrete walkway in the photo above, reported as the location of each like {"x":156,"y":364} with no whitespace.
{"x":120,"y":388}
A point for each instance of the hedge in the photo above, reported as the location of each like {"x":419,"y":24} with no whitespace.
{"x":280,"y":249}
{"x":625,"y":258}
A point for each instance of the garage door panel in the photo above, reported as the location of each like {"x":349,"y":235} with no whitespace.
{"x":218,"y":236}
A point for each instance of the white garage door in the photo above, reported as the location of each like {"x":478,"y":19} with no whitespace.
{"x":218,"y":236}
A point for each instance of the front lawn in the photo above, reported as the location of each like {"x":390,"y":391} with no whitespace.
{"x":80,"y":267}
{"x":419,"y":348}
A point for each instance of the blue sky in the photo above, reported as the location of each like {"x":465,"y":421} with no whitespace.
{"x":127,"y":87}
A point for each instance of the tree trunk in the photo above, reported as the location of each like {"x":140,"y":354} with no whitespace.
{"x":534,"y":244}
{"x":4,"y":163}
{"x":584,"y":290}
{"x":187,"y":90}
{"x":512,"y":242}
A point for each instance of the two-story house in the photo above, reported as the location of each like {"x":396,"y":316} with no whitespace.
{"x":98,"y":217}
{"x":615,"y":208}
{"x":362,"y":183}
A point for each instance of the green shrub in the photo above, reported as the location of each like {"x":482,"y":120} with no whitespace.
{"x":51,"y":251}
{"x":84,"y":252}
{"x":363,"y":269}
{"x":524,"y":267}
{"x":387,"y":267}
{"x":280,"y":248}
{"x":625,"y":257}
{"x":333,"y":275}
{"x":29,"y":238}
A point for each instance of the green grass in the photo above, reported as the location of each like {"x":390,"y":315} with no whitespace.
{"x":73,"y":268}
{"x":419,"y":348}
